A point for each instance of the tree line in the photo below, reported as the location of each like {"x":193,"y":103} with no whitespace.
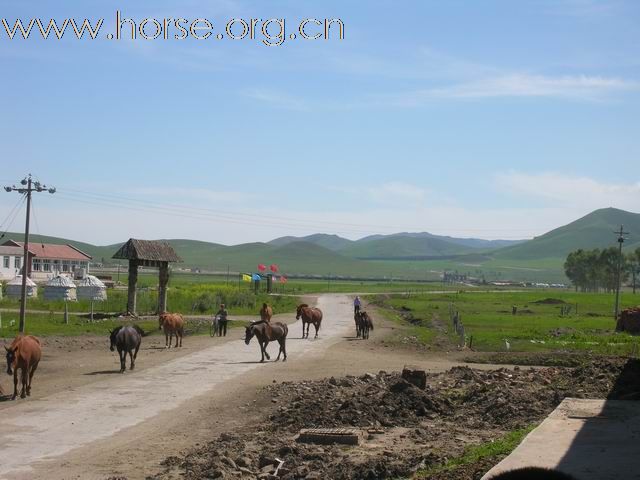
{"x":596,"y":270}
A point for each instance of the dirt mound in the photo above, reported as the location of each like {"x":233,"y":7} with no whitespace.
{"x":405,"y":428}
{"x":550,"y":301}
{"x":629,"y":321}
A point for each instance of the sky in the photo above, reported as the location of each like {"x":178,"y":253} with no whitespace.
{"x":492,"y":119}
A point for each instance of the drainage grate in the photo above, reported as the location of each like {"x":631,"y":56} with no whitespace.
{"x":325,"y":436}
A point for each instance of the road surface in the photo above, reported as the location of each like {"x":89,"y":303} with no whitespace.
{"x":33,"y":431}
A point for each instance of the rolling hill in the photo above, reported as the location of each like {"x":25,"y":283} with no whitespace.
{"x":594,"y":230}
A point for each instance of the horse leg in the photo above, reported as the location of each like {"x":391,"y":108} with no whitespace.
{"x":181,"y":335}
{"x":266,"y":344}
{"x":261,"y":350}
{"x":123,"y":360}
{"x":15,"y":383}
{"x":33,"y":370}
{"x":317,"y":327}
{"x":303,"y":328}
{"x":166,"y":340}
{"x":23,"y":378}
{"x":131,"y":360}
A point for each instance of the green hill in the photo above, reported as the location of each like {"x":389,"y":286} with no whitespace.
{"x":594,"y":230}
{"x":331,"y":242}
{"x":399,"y":246}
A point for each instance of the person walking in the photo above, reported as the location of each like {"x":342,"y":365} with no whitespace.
{"x":222,"y":321}
{"x":356,"y":305}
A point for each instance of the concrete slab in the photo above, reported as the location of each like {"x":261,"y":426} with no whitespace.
{"x":589,"y":439}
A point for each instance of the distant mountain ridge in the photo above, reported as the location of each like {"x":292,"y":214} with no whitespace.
{"x":404,"y":254}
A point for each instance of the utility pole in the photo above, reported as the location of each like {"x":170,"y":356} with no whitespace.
{"x":27,"y":188}
{"x":621,"y":233}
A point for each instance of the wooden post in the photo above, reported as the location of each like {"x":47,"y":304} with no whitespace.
{"x":91,"y":310}
{"x":133,"y":280}
{"x":162,"y":287}
{"x":66,"y":313}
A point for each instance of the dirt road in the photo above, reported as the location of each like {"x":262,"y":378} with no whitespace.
{"x":94,"y":425}
{"x":32,"y":431}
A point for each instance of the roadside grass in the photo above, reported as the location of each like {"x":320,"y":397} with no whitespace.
{"x":184,"y":298}
{"x":538,"y":325}
{"x":496,"y":449}
{"x":423,"y":332}
{"x":53,"y":325}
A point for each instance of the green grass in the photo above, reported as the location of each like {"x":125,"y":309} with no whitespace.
{"x":476,"y":453}
{"x":47,"y":324}
{"x":537,"y":327}
{"x":197,"y":299}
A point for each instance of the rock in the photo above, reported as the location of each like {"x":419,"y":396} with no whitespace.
{"x":415,"y":376}
{"x":265,"y":461}
{"x":229,"y":462}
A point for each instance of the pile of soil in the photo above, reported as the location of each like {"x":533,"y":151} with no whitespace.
{"x":405,"y":428}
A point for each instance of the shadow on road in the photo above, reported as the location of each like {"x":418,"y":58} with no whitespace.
{"x":103,"y":372}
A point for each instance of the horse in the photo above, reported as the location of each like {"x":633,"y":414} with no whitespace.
{"x":365,"y":324}
{"x":126,"y":339}
{"x":310,"y":315}
{"x":266,"y":312}
{"x":23,"y":354}
{"x":173,"y":324}
{"x":356,"y":318}
{"x":265,"y":333}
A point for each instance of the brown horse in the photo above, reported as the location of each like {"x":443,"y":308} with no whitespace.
{"x":23,"y":354}
{"x":364,"y":324}
{"x":310,"y":315}
{"x":173,"y":324}
{"x":266,"y":312}
{"x":265,"y":333}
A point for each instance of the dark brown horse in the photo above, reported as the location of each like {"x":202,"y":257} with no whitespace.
{"x":266,"y":332}
{"x":126,"y":339}
{"x":173,"y":324}
{"x":309,"y":315}
{"x":266,"y":312}
{"x":23,"y":354}
{"x":364,"y":324}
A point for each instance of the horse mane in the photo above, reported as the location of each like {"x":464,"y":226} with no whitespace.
{"x":117,"y":329}
{"x":303,"y":305}
{"x":139,"y":330}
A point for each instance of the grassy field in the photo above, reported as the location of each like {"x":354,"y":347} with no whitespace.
{"x":538,"y":325}
{"x":186,"y":298}
{"x":49,"y":324}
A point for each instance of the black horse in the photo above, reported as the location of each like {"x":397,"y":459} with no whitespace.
{"x":126,"y":339}
{"x":364,"y":324}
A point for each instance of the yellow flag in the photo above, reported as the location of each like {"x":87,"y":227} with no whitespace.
{"x":246,"y":278}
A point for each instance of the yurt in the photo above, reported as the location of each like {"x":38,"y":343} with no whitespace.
{"x":91,"y":288}
{"x":60,"y":288}
{"x":14,"y":288}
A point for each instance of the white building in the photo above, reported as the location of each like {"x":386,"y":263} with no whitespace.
{"x":10,"y":261}
{"x":46,"y":260}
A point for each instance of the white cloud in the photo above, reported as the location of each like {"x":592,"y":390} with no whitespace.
{"x":580,"y":87}
{"x":571,"y":191}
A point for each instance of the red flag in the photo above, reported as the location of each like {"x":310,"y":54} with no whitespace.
{"x":273,"y":267}
{"x":262,"y":267}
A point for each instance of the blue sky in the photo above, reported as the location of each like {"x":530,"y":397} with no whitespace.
{"x":493,"y":119}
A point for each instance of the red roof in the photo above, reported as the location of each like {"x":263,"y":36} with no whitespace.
{"x":52,"y":251}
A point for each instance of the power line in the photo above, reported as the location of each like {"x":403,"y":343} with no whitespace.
{"x":242,"y":218}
